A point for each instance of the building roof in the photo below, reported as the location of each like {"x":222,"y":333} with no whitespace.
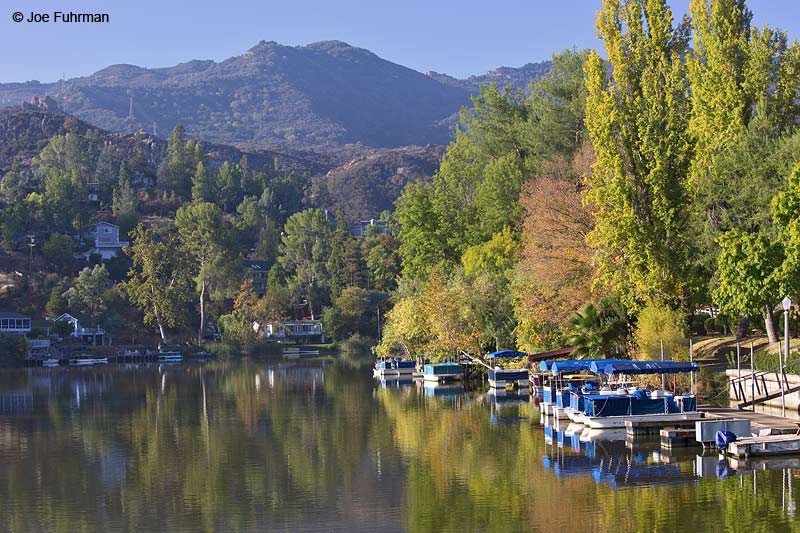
{"x":257,"y":265}
{"x":104,"y":223}
{"x":65,"y":316}
{"x":8,"y":314}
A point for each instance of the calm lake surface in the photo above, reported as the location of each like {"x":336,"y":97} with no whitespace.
{"x":321,"y":445}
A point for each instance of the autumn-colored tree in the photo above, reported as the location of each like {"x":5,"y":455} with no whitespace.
{"x":555,"y":272}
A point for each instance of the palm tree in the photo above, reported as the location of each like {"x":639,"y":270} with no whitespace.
{"x":599,"y":330}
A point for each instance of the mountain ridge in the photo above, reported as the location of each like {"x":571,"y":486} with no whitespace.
{"x":326,"y":93}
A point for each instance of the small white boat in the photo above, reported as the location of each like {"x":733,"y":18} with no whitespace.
{"x":166,"y":357}
{"x":500,"y":378}
{"x":85,"y":360}
{"x":393,"y":368}
{"x":295,"y":353}
{"x":52,"y":361}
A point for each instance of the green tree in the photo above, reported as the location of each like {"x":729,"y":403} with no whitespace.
{"x":209,"y":242}
{"x":64,"y":200}
{"x":344,"y":266}
{"x":180,"y":164}
{"x":57,"y":251}
{"x":57,"y":304}
{"x":659,"y":324}
{"x":89,"y":293}
{"x":496,"y":256}
{"x":716,"y":67}
{"x":14,"y":349}
{"x":125,"y":203}
{"x":15,"y":220}
{"x":275,"y":305}
{"x":202,"y":185}
{"x":637,"y":122}
{"x":741,"y":122}
{"x":382,"y":260}
{"x":746,"y":276}
{"x":305,"y":249}
{"x":786,"y":217}
{"x":353,"y":312}
{"x":229,"y":185}
{"x":267,"y":247}
{"x":599,"y":331}
{"x":159,"y":281}
{"x":106,"y":173}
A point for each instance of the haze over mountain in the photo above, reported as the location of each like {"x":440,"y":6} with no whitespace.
{"x":325,"y":93}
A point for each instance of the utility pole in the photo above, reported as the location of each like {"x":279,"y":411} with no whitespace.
{"x":31,"y":244}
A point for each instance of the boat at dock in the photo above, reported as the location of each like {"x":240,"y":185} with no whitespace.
{"x":52,"y":361}
{"x":169,"y":353}
{"x":394,"y":368}
{"x":606,"y":400}
{"x":170,"y":357}
{"x":442,"y":372}
{"x":501,"y":378}
{"x":85,"y":360}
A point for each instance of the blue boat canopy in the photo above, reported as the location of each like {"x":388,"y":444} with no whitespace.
{"x":644,"y":367}
{"x":573,"y":365}
{"x":505,"y":353}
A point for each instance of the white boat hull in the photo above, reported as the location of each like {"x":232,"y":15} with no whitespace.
{"x":611,"y":422}
{"x":502,"y":384}
{"x":86,"y":362}
{"x":439,"y":378}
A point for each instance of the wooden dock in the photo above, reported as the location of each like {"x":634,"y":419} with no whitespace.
{"x":653,"y":424}
{"x":758,"y":421}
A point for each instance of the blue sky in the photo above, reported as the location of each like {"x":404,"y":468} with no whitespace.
{"x":451,"y":36}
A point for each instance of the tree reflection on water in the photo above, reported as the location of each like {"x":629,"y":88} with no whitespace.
{"x":320,"y":445}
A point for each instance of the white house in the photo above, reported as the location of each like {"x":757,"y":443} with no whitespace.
{"x":106,"y":241}
{"x":301,"y":331}
{"x":94,"y":336}
{"x":14,"y":323}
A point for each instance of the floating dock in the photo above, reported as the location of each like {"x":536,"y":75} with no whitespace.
{"x":653,"y":424}
{"x":764,"y":446}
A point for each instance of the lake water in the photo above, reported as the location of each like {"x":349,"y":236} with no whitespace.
{"x":320,"y":445}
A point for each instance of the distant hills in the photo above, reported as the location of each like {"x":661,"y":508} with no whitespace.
{"x":359,"y":180}
{"x":323,"y":94}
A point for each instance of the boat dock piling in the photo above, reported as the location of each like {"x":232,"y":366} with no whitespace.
{"x":678,"y":438}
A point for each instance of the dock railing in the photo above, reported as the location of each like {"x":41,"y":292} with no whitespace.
{"x":757,"y":383}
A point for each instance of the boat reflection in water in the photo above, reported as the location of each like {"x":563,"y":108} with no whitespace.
{"x":611,"y":462}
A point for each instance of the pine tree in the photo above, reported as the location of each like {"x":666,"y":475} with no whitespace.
{"x":180,"y":165}
{"x":105,"y":173}
{"x":125,"y":202}
{"x":345,"y":264}
{"x":202,"y":185}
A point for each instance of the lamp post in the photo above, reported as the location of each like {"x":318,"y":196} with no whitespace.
{"x":787,"y":304}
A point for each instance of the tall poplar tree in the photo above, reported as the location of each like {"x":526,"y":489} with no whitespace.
{"x":637,"y":122}
{"x":716,"y":67}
